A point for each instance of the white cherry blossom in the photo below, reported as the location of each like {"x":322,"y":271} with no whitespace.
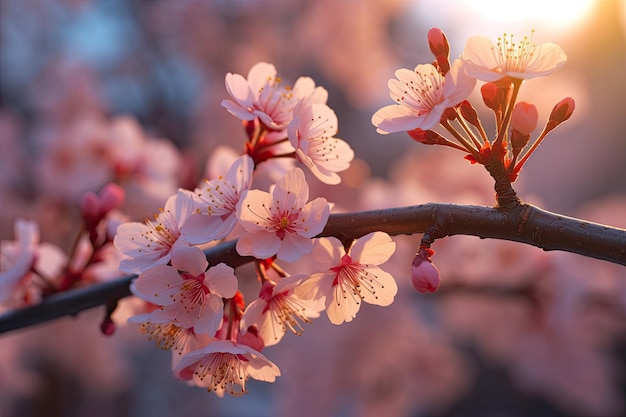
{"x":522,"y":60}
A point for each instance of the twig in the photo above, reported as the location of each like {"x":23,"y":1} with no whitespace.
{"x":523,"y":223}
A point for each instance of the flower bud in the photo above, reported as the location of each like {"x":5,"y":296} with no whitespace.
{"x":111,"y":197}
{"x":469,"y":113}
{"x":107,"y":327}
{"x":90,"y":208}
{"x":561,"y":112}
{"x":424,"y":275}
{"x":491,"y":96}
{"x":427,"y":137}
{"x":524,"y":118}
{"x":438,"y":43}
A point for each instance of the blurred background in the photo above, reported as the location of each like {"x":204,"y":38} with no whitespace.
{"x":130,"y":91}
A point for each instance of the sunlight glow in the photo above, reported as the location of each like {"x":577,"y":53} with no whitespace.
{"x":556,"y":13}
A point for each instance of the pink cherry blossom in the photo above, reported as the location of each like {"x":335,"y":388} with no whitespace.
{"x":216,"y":203}
{"x":311,"y":132}
{"x":18,"y":257}
{"x":349,"y":278}
{"x":20,"y":285}
{"x":422,"y":95}
{"x":191,"y":299}
{"x":278,"y":308}
{"x":522,"y":60}
{"x":152,"y":243}
{"x":281,"y":223}
{"x":225,"y":366}
{"x":262,"y":95}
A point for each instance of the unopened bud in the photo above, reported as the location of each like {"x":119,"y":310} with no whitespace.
{"x":107,"y":327}
{"x":491,"y":96}
{"x":425,"y":275}
{"x":524,"y":118}
{"x":561,"y":112}
{"x":427,"y":137}
{"x":90,"y":208}
{"x":518,"y":141}
{"x":111,"y":197}
{"x":438,"y":43}
{"x":469,"y":113}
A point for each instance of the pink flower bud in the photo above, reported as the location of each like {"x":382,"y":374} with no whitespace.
{"x":107,"y":327}
{"x":111,"y":197}
{"x":561,"y":111}
{"x":90,"y":207}
{"x":425,"y":275}
{"x":427,"y":137}
{"x":524,"y":118}
{"x":438,"y":43}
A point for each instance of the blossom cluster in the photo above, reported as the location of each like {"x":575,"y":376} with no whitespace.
{"x":435,"y":95}
{"x":197,"y":310}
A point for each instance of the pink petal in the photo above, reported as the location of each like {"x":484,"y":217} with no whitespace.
{"x":385,"y":287}
{"x":342,"y":309}
{"x":221,"y":280}
{"x":293,"y":247}
{"x":253,"y":210}
{"x":189,"y":258}
{"x":374,"y":248}
{"x":157,"y":285}
{"x":313,"y":218}
{"x":396,"y":118}
{"x":261,"y":245}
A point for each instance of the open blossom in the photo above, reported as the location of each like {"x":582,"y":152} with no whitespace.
{"x":19,"y":259}
{"x":522,"y":60}
{"x":191,"y":299}
{"x":225,"y":366}
{"x":216,"y":203}
{"x":281,"y":223}
{"x":349,"y":278}
{"x":311,"y":133}
{"x":262,"y":95}
{"x":422,"y":96}
{"x":278,"y":308}
{"x":152,"y":243}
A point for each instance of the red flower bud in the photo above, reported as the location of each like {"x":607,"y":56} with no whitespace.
{"x":561,"y":112}
{"x":469,"y":113}
{"x":427,"y":137}
{"x":438,"y":43}
{"x":424,"y":275}
{"x":491,"y":96}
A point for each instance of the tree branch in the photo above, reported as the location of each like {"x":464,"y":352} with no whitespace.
{"x":523,"y":223}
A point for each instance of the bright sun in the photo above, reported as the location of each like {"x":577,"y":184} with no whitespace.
{"x":492,"y":17}
{"x":555,"y":13}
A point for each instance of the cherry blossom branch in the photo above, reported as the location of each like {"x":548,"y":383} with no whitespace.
{"x":523,"y":223}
